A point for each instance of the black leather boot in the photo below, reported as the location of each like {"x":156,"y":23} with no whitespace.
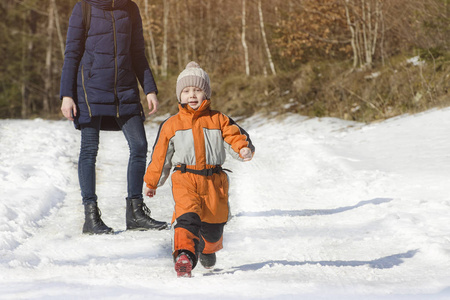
{"x":93,"y":224}
{"x":138,"y":216}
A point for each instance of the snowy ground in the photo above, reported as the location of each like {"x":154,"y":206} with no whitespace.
{"x":327,"y":209}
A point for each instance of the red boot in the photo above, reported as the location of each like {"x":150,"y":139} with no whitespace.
{"x":183,"y":265}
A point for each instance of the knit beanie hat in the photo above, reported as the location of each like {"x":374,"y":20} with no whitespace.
{"x":193,"y":75}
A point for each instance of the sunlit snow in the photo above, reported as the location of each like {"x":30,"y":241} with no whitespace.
{"x":327,"y":209}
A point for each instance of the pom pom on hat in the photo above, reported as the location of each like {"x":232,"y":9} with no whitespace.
{"x":192,"y":64}
{"x":193,"y":75}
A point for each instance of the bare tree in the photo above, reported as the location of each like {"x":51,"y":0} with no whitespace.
{"x":243,"y":40}
{"x":364,"y":19}
{"x":353,"y":34}
{"x":421,"y":23}
{"x":58,"y":31}
{"x":27,"y":46}
{"x":48,"y":58}
{"x":263,"y":34}
{"x":178,"y":39}
{"x":165,"y":55}
{"x":151,"y":48}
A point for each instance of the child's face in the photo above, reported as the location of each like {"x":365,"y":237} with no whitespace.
{"x":193,"y":96}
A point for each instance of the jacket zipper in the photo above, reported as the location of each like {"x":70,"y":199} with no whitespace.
{"x":84,"y":89}
{"x":116,"y":98}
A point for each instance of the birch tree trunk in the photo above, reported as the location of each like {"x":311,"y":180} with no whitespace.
{"x":351,"y":27}
{"x":58,"y":31}
{"x":263,"y":33}
{"x":48,"y":58}
{"x":365,"y":21}
{"x":365,"y":26}
{"x":164,"y":63}
{"x":244,"y":42}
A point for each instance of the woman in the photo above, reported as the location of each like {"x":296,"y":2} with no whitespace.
{"x":104,"y":55}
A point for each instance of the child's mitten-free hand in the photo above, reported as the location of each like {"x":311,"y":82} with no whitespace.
{"x":246,"y":154}
{"x":150,"y":192}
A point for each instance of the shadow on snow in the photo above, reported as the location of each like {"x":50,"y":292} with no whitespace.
{"x":381,"y":263}
{"x":311,"y":212}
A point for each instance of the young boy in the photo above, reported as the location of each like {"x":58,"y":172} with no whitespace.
{"x":194,"y":141}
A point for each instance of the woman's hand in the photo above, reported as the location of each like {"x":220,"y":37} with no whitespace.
{"x":152,"y":103}
{"x":69,"y":108}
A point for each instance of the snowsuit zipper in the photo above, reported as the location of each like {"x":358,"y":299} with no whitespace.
{"x":84,"y":89}
{"x":116,"y":98}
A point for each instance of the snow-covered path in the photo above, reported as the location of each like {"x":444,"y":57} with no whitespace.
{"x":327,"y":209}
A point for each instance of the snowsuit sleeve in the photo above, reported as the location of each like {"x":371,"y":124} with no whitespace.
{"x":73,"y":53}
{"x":160,"y":164}
{"x":140,"y":63}
{"x":235,"y":137}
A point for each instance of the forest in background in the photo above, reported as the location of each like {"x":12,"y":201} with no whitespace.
{"x":361,"y":60}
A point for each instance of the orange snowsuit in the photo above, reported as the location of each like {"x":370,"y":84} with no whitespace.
{"x":195,"y":141}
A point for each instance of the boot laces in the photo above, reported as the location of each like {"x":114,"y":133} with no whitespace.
{"x":146,"y":210}
{"x":100,"y":217}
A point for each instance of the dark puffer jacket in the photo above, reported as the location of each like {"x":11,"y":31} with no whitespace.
{"x":100,"y":73}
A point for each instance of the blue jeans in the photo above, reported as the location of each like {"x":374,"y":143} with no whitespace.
{"x":133,"y":129}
